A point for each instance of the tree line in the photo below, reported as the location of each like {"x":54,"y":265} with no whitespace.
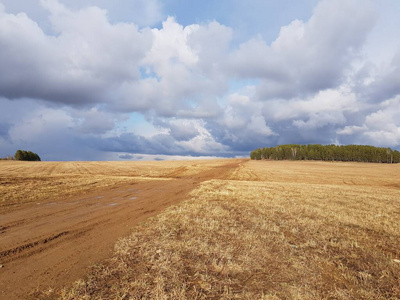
{"x":26,"y":155}
{"x":357,"y":153}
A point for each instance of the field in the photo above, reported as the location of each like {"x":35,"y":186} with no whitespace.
{"x":26,"y":182}
{"x":223,"y":229}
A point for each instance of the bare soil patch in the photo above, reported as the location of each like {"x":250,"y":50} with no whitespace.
{"x":50,"y":236}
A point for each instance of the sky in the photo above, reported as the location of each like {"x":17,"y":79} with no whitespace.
{"x":173,"y":79}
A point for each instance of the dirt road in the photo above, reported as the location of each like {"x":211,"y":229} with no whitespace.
{"x":52,"y":244}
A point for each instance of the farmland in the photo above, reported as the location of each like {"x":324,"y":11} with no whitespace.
{"x":23,"y":183}
{"x":220,"y":229}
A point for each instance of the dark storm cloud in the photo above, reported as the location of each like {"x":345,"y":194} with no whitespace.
{"x":240,"y":141}
{"x":131,"y":143}
{"x":4,"y":128}
{"x":126,"y":156}
{"x":180,"y":130}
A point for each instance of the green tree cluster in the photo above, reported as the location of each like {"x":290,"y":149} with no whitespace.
{"x":360,"y":153}
{"x":26,"y":155}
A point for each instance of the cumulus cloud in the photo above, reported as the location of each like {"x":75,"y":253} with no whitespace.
{"x":180,"y":129}
{"x":81,"y":64}
{"x":242,"y":124}
{"x":326,"y":107}
{"x":201,"y":143}
{"x":307,"y":56}
{"x":78,"y":79}
{"x":95,"y":121}
{"x":181,"y":76}
{"x":381,"y":127}
{"x":384,"y":81}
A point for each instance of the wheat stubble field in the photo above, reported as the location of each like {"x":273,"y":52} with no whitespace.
{"x":219,"y":229}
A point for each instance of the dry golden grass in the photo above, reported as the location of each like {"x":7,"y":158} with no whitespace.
{"x":275,"y":230}
{"x":317,"y":172}
{"x":25,"y":182}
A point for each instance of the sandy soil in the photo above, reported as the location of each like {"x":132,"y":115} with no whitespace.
{"x":52,"y":243}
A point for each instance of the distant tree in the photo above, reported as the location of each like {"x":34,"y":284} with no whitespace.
{"x":26,"y":155}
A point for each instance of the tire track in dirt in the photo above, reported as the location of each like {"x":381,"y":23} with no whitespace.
{"x":21,"y":250}
{"x":53,"y":244}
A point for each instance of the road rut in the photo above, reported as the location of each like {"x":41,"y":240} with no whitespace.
{"x":53,"y":244}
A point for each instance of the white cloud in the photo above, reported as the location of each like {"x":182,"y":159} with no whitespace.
{"x":78,"y":75}
{"x":94,"y":121}
{"x":385,"y":81}
{"x":307,"y":56}
{"x":183,"y":130}
{"x":181,"y":80}
{"x":210,"y":42}
{"x":170,"y":45}
{"x":350,"y":130}
{"x":87,"y":58}
{"x":328,"y":104}
{"x":381,"y":127}
{"x":203,"y":142}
